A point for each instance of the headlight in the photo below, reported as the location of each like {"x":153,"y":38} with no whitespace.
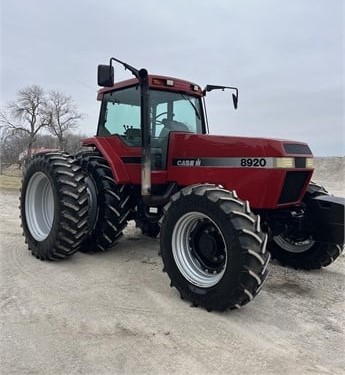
{"x":309,"y":163}
{"x":285,"y":163}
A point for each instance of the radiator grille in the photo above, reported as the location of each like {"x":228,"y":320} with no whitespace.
{"x":293,"y":185}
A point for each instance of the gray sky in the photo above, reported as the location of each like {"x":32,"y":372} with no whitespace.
{"x":286,"y":57}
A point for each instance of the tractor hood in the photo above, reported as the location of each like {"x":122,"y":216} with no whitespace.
{"x":225,"y":146}
{"x":267,"y":172}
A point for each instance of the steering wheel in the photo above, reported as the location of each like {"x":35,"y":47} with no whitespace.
{"x":159,"y":121}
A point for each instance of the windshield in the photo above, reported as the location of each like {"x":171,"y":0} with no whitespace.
{"x":175,"y":111}
{"x":170,"y":111}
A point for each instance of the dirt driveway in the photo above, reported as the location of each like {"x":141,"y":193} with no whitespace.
{"x":114,"y":313}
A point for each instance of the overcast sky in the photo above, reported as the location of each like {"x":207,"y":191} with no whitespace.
{"x":286,"y":57}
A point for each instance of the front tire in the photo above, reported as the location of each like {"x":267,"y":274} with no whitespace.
{"x":304,"y":254}
{"x":213,"y":248}
{"x":53,"y":206}
{"x":301,"y":251}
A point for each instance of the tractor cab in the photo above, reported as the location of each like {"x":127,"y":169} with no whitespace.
{"x":144,"y":111}
{"x":170,"y":111}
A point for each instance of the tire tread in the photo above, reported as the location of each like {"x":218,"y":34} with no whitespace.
{"x":70,"y":190}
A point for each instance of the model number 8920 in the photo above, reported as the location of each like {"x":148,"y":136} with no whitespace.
{"x":253,"y":162}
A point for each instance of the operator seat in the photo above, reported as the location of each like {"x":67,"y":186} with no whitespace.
{"x":169,"y":126}
{"x":172,"y":125}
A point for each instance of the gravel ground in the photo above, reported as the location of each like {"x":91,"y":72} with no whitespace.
{"x":114,"y":313}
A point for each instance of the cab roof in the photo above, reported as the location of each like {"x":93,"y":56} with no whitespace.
{"x":159,"y":83}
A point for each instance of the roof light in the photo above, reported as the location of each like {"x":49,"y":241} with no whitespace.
{"x":157,"y":81}
{"x":163,"y":82}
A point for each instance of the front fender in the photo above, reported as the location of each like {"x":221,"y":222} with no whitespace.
{"x":325,"y":215}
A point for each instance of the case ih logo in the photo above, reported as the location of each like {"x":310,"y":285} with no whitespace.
{"x":187,"y":162}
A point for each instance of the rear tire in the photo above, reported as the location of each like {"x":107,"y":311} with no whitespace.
{"x":304,"y":252}
{"x":213,"y":248}
{"x":53,"y":206}
{"x":109,"y":203}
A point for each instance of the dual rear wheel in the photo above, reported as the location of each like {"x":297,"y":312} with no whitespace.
{"x":70,"y":204}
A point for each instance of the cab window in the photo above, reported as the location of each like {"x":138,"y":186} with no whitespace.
{"x":120,"y":115}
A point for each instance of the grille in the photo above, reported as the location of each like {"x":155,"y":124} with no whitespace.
{"x":293,"y":185}
{"x":300,"y":162}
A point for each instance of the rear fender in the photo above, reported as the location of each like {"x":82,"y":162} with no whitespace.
{"x":105,"y":147}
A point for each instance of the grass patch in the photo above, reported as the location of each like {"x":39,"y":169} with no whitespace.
{"x":10,"y":183}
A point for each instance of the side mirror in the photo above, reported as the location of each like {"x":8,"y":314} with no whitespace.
{"x":214,"y":87}
{"x":235,"y":100}
{"x":105,"y":75}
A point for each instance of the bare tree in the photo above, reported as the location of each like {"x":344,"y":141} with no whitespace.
{"x":74,"y":142}
{"x":4,"y":135}
{"x":63,"y":115}
{"x":26,"y":114}
{"x":22,"y":121}
{"x":12,"y":147}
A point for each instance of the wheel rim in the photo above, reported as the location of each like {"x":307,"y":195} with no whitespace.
{"x":39,"y":206}
{"x":92,"y":203}
{"x":292,"y":245}
{"x":199,"y":249}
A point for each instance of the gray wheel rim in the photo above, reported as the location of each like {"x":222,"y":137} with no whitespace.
{"x":188,"y":265}
{"x":39,"y":206}
{"x":92,"y":203}
{"x":292,"y":246}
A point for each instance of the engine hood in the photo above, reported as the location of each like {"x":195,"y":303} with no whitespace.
{"x":197,"y":145}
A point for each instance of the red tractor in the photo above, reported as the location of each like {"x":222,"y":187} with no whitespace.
{"x":222,"y":205}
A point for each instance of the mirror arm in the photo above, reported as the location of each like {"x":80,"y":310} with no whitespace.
{"x":134,"y":71}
